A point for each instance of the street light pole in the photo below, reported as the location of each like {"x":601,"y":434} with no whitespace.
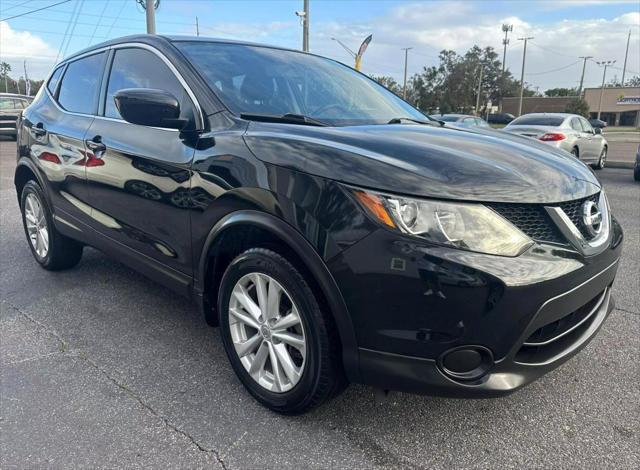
{"x":406,"y":58}
{"x":479,"y":89}
{"x":626,"y":54}
{"x":605,"y":64}
{"x":304,"y":20}
{"x":524,"y":58}
{"x":506,"y":28}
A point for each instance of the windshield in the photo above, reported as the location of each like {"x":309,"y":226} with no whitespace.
{"x":538,"y":121}
{"x":261,"y":80}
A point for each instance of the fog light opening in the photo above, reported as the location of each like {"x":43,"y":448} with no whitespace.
{"x":466,"y":363}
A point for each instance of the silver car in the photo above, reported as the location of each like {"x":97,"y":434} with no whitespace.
{"x":568,"y":132}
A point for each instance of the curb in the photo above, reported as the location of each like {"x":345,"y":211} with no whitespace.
{"x":615,"y":164}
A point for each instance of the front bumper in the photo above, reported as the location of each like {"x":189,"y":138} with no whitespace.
{"x":411,"y":304}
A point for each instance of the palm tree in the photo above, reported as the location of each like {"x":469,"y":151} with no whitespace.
{"x":4,"y":71}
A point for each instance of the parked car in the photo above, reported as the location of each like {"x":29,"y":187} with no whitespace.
{"x":461,"y":120}
{"x":597,"y":123}
{"x":500,"y":118}
{"x":333,"y":232}
{"x":568,"y":132}
{"x":636,"y":166}
{"x":11,"y":105}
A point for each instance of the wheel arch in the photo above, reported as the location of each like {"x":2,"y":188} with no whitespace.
{"x":26,"y":171}
{"x":265,"y":230}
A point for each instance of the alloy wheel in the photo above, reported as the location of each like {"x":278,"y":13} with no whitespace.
{"x":603,"y":158}
{"x":36,"y":225}
{"x":267,"y":332}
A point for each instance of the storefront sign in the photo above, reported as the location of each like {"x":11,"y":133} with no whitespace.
{"x":628,"y":100}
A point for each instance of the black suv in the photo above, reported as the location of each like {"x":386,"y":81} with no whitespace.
{"x":332,"y":231}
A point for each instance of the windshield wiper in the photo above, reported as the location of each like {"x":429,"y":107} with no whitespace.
{"x":430,"y":122}
{"x":288,"y":118}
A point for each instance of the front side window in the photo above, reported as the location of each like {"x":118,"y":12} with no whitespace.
{"x":575,"y":125}
{"x":79,"y":88}
{"x":140,"y":68}
{"x":586,"y":126}
{"x":262,"y":80}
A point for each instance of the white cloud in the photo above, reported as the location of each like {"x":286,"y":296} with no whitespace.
{"x":18,"y":46}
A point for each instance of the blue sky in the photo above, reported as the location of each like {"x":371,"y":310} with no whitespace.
{"x":563,"y":30}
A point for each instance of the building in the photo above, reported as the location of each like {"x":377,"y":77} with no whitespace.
{"x":536,"y":104}
{"x":620,"y":105}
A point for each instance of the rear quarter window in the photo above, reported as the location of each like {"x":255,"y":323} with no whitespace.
{"x":80,"y":83}
{"x":53,"y":81}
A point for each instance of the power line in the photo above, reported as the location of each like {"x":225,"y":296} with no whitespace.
{"x":104,"y":8}
{"x":66,"y":31}
{"x":11,"y":7}
{"x":33,"y":11}
{"x":554,"y":70}
{"x":115,"y":20}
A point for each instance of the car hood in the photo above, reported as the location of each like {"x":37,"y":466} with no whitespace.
{"x":421,"y":160}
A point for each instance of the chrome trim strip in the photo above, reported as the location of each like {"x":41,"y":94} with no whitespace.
{"x":126,"y":45}
{"x":555,"y":338}
{"x":571,"y":232}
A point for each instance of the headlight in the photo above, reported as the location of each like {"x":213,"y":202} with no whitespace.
{"x":466,"y":226}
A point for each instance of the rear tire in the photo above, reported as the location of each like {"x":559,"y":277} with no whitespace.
{"x":52,"y":250}
{"x":317,"y":374}
{"x":575,"y":152}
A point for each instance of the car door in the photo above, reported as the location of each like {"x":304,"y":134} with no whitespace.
{"x":140,"y":176}
{"x":57,"y":124}
{"x":594,"y":141}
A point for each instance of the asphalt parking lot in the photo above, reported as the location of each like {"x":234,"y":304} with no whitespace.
{"x":100,"y":367}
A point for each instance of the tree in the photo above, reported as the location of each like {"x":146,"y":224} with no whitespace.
{"x":578,"y":106}
{"x":452,"y":85}
{"x":561,"y":92}
{"x":389,"y":83}
{"x":4,"y":72}
{"x":633,"y":81}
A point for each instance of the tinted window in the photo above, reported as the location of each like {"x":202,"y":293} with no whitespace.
{"x":575,"y":125}
{"x":79,"y":87}
{"x":139,"y":68}
{"x":6,"y":103}
{"x":538,"y":121}
{"x":53,"y":81}
{"x":262,"y":80}
{"x":586,"y":125}
{"x":446,"y":118}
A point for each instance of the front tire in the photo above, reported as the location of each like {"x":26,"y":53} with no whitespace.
{"x":282,"y":347}
{"x":51,"y":249}
{"x":602,"y":161}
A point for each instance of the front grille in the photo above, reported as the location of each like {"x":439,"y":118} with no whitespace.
{"x":555,"y":337}
{"x":573,"y":209}
{"x":534,"y":221}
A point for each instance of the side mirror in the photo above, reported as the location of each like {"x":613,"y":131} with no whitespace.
{"x":149,"y":107}
{"x":597,"y":130}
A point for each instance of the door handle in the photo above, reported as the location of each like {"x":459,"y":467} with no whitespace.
{"x":96,"y":146}
{"x":39,"y":130}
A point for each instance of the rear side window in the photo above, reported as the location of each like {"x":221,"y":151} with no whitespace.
{"x":6,"y":103}
{"x":79,"y":88}
{"x":53,"y":81}
{"x":140,"y":68}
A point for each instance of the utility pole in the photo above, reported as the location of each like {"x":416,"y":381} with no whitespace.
{"x":584,"y":66}
{"x":478,"y":93}
{"x":27,"y":85}
{"x":626,"y":54}
{"x":406,"y":57}
{"x":605,"y":64}
{"x":304,"y":21}
{"x":197,"y":27}
{"x":524,"y":58}
{"x":150,"y":10}
{"x":506,"y":28}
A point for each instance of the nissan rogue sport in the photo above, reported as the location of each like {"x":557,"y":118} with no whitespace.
{"x":332,"y":231}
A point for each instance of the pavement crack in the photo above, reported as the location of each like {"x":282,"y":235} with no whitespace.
{"x":64,"y":346}
{"x":627,"y":311}
{"x":155,"y":413}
